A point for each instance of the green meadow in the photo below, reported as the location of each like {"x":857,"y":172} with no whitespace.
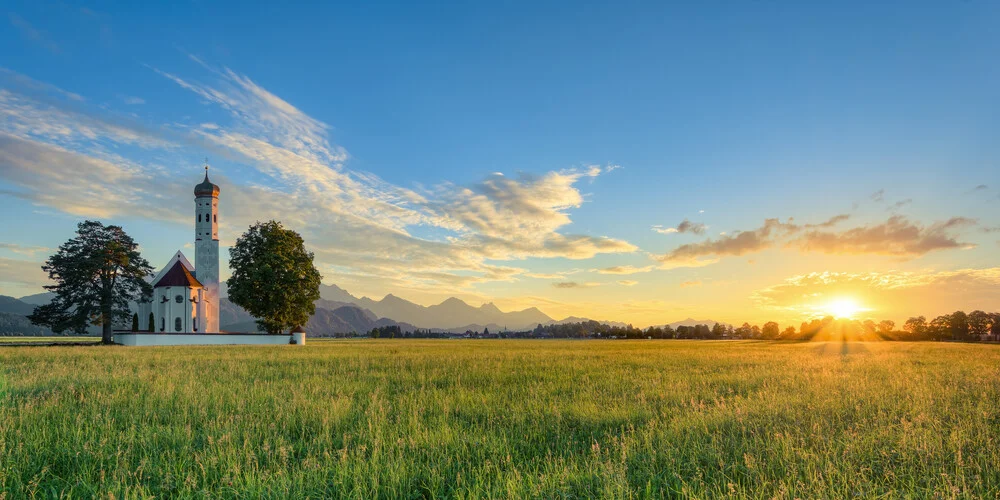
{"x":502,"y":419}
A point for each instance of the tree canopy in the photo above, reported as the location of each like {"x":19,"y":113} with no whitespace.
{"x":274,"y":278}
{"x":96,"y":275}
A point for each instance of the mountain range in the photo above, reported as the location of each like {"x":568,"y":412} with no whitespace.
{"x":450,"y":314}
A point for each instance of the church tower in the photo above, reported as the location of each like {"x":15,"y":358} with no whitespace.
{"x":206,"y":251}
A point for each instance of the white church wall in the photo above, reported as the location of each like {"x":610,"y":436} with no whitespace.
{"x":169,"y":310}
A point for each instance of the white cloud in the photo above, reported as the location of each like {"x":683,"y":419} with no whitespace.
{"x":29,"y":251}
{"x":624,"y":270}
{"x":22,"y":275}
{"x":70,"y":159}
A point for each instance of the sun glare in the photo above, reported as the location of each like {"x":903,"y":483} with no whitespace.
{"x":843,"y":308}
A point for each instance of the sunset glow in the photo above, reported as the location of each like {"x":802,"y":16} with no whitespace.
{"x":844,"y":308}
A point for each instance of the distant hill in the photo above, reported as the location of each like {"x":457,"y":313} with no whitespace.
{"x":327,"y":321}
{"x":38,"y":299}
{"x":17,"y":325}
{"x":575,"y":319}
{"x":14,"y":312}
{"x":451,"y":314}
{"x":15,"y":306}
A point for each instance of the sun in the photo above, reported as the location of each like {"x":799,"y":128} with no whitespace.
{"x":843,"y":308}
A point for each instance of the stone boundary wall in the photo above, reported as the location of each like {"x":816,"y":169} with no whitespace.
{"x":163,"y":339}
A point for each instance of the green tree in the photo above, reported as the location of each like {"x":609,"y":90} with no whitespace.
{"x":152,"y":323}
{"x":916,"y":326}
{"x":958,"y":323}
{"x":980,"y":323}
{"x":274,"y":278}
{"x":718,"y":331}
{"x":97,"y":274}
{"x":789,"y":333}
{"x":939,"y":327}
{"x":869,"y":327}
{"x":744,"y":331}
{"x":135,"y":322}
{"x":886,"y":326}
{"x":770,"y":330}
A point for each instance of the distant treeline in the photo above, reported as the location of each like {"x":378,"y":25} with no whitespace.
{"x":15,"y":325}
{"x":971,"y":327}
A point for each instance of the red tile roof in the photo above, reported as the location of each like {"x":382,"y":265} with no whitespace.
{"x":178,"y":276}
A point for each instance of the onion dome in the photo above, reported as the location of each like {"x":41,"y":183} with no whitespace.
{"x":206,"y":188}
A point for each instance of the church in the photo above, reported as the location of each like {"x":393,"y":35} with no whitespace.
{"x":185,"y":297}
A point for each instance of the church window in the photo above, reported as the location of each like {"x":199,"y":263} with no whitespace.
{"x":199,"y":217}
{"x":163,"y":324}
{"x":177,"y":324}
{"x":215,"y":218}
{"x":196,"y":324}
{"x":178,"y":299}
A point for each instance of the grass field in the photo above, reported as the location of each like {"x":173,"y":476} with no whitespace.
{"x":473,"y":419}
{"x":49,"y":340}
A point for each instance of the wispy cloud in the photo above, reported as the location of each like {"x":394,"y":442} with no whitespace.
{"x":21,"y":274}
{"x":574,"y":284}
{"x":898,"y":205}
{"x":898,"y":236}
{"x":31,"y":33}
{"x":29,"y":251}
{"x":624,"y":270}
{"x":628,"y":282}
{"x":69,"y":158}
{"x":688,"y":284}
{"x":685,"y":226}
{"x":13,"y":79}
{"x":878,"y":196}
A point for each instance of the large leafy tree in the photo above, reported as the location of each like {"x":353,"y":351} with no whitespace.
{"x":916,"y":326}
{"x":97,"y":274}
{"x":274,"y":278}
{"x":980,"y":323}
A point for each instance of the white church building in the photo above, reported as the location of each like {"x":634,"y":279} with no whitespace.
{"x":185,"y":302}
{"x":186,"y":297}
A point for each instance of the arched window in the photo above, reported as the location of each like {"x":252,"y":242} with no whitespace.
{"x":177,"y":324}
{"x":215,"y":218}
{"x":196,"y":323}
{"x":163,"y":324}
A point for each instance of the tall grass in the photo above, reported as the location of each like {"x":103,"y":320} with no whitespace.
{"x":474,"y":419}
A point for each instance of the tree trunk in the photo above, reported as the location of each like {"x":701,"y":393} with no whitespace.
{"x":106,"y":333}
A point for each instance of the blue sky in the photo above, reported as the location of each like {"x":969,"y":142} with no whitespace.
{"x":607,"y":121}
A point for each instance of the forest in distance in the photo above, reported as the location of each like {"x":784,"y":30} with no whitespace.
{"x":977,"y":326}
